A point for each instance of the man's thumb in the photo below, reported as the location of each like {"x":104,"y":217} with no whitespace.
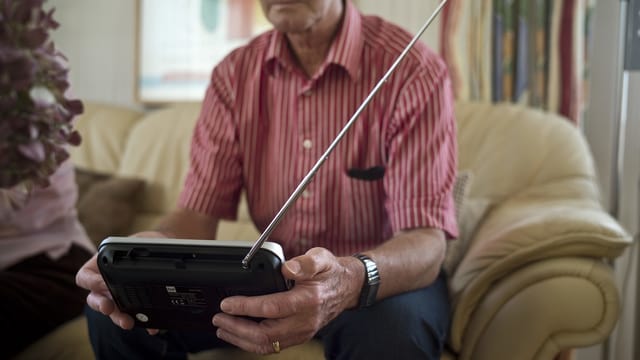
{"x":293,"y":268}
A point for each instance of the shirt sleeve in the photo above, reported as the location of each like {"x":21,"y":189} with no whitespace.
{"x":422,"y":154}
{"x":214,"y":179}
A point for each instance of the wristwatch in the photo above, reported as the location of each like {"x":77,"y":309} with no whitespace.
{"x":371,"y":281}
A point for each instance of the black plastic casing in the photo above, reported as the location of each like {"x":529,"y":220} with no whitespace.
{"x":171,"y":286}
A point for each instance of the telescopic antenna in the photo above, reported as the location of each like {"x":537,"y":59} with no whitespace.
{"x":307,"y":179}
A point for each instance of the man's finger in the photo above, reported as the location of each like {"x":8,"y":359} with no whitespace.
{"x":107,"y":307}
{"x":92,"y":281}
{"x":271,"y":306}
{"x":307,"y":266}
{"x":121,"y":319}
{"x":262,"y":348}
{"x":246,"y":334}
{"x":100,"y":303}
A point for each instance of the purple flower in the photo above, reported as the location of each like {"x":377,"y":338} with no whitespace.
{"x":33,"y":151}
{"x":35,"y":115}
{"x":34,"y":38}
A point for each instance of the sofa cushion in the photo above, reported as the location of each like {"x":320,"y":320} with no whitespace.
{"x":107,"y":204}
{"x":469,"y":212}
{"x":70,"y":341}
{"x":157,"y":151}
{"x":511,"y":149}
{"x":104,"y":130}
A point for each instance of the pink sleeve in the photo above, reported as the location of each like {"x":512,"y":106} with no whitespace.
{"x":44,"y":206}
{"x":214,"y":179}
{"x":421,"y":143}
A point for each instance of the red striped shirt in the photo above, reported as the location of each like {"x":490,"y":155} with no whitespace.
{"x":264,"y":124}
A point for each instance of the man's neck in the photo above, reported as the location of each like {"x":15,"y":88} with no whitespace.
{"x":312,"y":46}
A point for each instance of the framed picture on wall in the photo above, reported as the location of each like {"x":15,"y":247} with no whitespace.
{"x":179,"y":43}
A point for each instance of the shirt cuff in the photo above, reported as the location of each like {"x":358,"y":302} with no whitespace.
{"x":424,"y":215}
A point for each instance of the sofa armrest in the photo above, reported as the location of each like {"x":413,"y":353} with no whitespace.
{"x":541,"y":309}
{"x":523,"y":231}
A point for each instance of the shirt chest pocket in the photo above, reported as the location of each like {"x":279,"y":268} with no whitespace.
{"x":362,"y":205}
{"x":374,"y":173}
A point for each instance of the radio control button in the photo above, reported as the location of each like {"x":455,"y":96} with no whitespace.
{"x":142,"y":317}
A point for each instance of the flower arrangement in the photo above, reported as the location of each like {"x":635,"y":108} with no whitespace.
{"x":35,"y":116}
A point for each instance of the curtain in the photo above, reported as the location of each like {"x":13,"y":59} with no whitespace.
{"x":532,"y":52}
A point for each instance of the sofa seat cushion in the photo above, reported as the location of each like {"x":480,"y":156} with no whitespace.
{"x":69,"y":341}
{"x":107,"y":204}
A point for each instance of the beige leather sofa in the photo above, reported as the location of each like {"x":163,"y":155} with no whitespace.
{"x":533,"y":279}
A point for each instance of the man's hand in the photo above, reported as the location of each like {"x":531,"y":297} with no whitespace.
{"x":99,"y":298}
{"x":324,"y":287}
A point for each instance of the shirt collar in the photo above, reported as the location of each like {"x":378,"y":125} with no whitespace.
{"x":345,"y":51}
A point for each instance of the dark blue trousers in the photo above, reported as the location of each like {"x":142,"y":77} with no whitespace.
{"x":412,"y":325}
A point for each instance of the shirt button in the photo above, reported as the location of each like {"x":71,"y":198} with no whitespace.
{"x":307,"y":93}
{"x":307,"y":144}
{"x":306,"y":194}
{"x":304,"y":242}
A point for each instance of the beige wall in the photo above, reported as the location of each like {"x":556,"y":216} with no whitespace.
{"x":97,"y":36}
{"x":101,"y":48}
{"x":600,"y":131}
{"x":411,"y":14}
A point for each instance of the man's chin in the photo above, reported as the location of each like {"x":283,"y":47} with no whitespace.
{"x":291,"y":27}
{"x":290,"y":18}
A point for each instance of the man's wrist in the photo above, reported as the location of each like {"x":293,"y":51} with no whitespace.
{"x":353,"y":275}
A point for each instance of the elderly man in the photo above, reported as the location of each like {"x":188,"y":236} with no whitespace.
{"x":271,"y":109}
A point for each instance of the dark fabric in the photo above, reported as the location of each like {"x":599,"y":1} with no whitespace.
{"x":111,"y":342}
{"x":107,"y":204}
{"x":37,"y":295}
{"x":413,"y":325}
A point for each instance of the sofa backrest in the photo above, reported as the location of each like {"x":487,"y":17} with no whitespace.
{"x":153,"y":146}
{"x":510,"y":150}
{"x":158,"y":152}
{"x":105,"y":131}
{"x":514,"y":151}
